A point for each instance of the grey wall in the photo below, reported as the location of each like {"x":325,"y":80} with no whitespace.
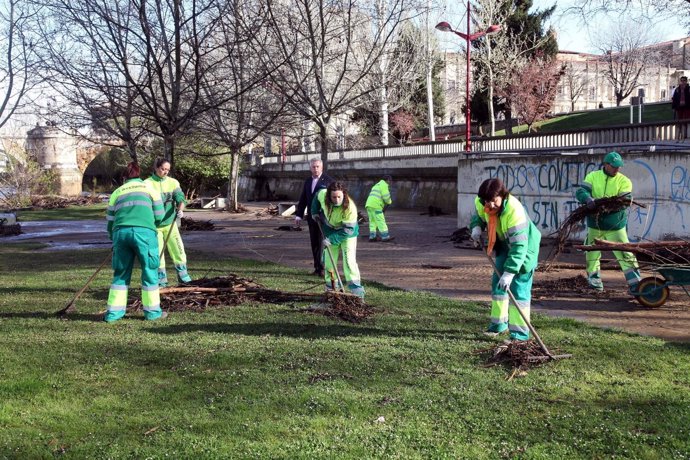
{"x":546,"y":185}
{"x":417,"y":181}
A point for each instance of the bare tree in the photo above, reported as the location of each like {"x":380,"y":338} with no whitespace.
{"x":400,"y":64}
{"x":626,"y":54}
{"x":498,"y":56}
{"x":85,"y":58}
{"x":144,"y":62}
{"x":588,"y":9}
{"x":243,"y":105}
{"x":17,"y":69}
{"x":329,"y":48}
{"x":532,"y":89}
{"x":575,"y":81}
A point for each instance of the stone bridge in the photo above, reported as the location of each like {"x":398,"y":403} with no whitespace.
{"x":56,"y":150}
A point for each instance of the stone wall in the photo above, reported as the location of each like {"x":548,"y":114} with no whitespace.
{"x":418,"y":182}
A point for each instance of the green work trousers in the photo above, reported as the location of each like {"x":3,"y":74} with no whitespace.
{"x":504,"y":315}
{"x":348,"y":248}
{"x":176,"y":249}
{"x":626,"y":260}
{"x":130,"y":243}
{"x":377,"y":222}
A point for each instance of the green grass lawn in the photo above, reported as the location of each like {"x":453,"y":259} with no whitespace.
{"x":598,"y":118}
{"x":92,"y":211}
{"x":267,"y":381}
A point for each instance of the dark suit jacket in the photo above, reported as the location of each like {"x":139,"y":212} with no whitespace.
{"x":675,"y":99}
{"x":307,"y":195}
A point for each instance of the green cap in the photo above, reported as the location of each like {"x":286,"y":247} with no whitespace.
{"x":614,"y":159}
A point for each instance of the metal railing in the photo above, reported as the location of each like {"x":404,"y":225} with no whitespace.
{"x":672,"y":134}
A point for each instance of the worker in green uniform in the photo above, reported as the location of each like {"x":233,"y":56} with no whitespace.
{"x":174,"y":203}
{"x":134,"y":211}
{"x":336,"y":214}
{"x":516,"y":239}
{"x":378,"y":199}
{"x":604,"y":183}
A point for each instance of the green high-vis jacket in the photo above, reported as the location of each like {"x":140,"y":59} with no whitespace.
{"x":598,"y":184}
{"x":171,"y":194}
{"x":337,"y":223}
{"x":134,"y":204}
{"x":516,"y":234}
{"x":379,"y":196}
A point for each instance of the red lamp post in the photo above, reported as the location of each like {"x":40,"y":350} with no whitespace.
{"x":468,"y":37}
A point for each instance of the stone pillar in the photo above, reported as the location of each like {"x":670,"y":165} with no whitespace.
{"x":56,"y":151}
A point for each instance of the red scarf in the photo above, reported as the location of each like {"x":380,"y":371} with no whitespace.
{"x":491,"y":230}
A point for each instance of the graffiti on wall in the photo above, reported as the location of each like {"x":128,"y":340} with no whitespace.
{"x":547,"y":190}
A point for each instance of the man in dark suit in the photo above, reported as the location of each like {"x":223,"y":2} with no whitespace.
{"x":316,"y":182}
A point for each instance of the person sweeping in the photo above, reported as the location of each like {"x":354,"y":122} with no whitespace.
{"x":515,"y":239}
{"x":336,"y":214}
{"x":134,"y":211}
{"x":378,"y":199}
{"x":174,"y":203}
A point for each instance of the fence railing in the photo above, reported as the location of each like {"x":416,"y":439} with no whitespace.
{"x":672,"y":134}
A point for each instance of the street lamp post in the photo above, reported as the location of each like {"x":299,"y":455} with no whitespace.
{"x":468,"y":37}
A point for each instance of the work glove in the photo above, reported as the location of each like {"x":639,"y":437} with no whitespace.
{"x":180,"y":214}
{"x":590,"y":205}
{"x":326,"y":242}
{"x":505,"y":280}
{"x":476,"y":236}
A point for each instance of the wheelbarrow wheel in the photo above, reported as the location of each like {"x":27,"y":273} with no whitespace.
{"x":652,"y":292}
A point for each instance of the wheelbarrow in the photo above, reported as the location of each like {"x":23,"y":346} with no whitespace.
{"x":653,"y":291}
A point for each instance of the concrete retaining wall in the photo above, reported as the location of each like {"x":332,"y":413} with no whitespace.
{"x":418,"y":182}
{"x":546,"y":185}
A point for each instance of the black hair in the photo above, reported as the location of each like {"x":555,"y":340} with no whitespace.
{"x":491,"y":188}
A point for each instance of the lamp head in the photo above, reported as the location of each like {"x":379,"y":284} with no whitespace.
{"x":444,"y":27}
{"x":493,"y":29}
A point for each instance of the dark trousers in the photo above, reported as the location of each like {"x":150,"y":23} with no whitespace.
{"x":316,"y":244}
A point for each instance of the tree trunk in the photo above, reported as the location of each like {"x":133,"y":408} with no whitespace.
{"x":383,"y":126}
{"x":323,"y":144}
{"x":492,"y":116}
{"x":169,"y":151}
{"x":233,"y":179}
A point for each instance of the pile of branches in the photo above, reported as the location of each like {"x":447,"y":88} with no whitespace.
{"x":565,"y":287}
{"x":9,"y":229}
{"x":649,"y":252}
{"x":460,"y":235}
{"x":197,"y":225}
{"x":57,"y":202}
{"x":573,"y":222}
{"x":231,"y":290}
{"x":270,"y":210}
{"x":347,"y":307}
{"x":518,"y":354}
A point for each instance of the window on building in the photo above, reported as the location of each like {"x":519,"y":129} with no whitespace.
{"x":662,"y":95}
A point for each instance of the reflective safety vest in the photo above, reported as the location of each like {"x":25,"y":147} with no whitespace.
{"x":379,"y":196}
{"x":337,"y":222}
{"x":171,"y":194}
{"x":134,"y":204}
{"x":598,"y":184}
{"x":516,"y":234}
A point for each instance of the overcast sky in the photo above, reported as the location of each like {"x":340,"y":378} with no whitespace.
{"x":575,"y":35}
